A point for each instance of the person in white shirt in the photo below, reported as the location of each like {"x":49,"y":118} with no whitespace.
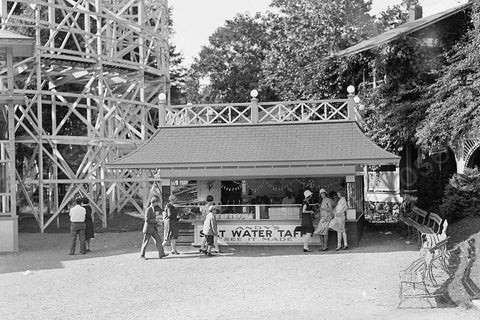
{"x":210,"y":229}
{"x":338,"y":222}
{"x":77,"y":226}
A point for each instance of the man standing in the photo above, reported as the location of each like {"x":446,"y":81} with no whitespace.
{"x":77,"y":226}
{"x":150,"y":229}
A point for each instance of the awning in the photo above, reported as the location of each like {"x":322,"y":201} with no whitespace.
{"x":257,"y":150}
{"x":404,"y":29}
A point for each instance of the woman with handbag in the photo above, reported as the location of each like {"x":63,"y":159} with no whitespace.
{"x":307,"y":221}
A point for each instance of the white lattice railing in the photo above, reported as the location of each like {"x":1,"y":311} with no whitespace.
{"x":265,"y":112}
{"x":317,"y":110}
{"x":208,"y":114}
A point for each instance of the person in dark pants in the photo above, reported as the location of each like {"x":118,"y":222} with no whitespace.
{"x":77,"y":226}
{"x":89,"y":229}
{"x":150,"y":229}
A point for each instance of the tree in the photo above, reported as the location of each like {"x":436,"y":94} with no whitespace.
{"x":395,"y":15}
{"x":455,"y":111}
{"x":462,"y":195}
{"x":177,"y":72}
{"x":178,"y":76}
{"x":231,"y":62}
{"x":304,"y":34}
{"x":398,"y":104}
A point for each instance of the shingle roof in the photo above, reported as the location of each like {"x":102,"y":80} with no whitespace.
{"x":5,"y":34}
{"x":22,"y":45}
{"x":404,"y":29}
{"x":340,"y":143}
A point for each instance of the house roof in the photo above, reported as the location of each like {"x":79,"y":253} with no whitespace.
{"x":404,"y":29}
{"x":259,"y":145}
{"x":22,"y":45}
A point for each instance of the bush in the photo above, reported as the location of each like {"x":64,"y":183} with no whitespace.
{"x":462,"y":195}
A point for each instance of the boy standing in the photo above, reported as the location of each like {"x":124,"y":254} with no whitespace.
{"x":210,"y":229}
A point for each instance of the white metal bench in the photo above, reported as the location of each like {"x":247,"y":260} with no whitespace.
{"x":418,"y":279}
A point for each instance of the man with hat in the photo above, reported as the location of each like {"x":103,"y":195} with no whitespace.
{"x":150,"y":229}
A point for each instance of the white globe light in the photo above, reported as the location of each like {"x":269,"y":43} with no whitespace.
{"x":162,"y":97}
{"x":356,"y":99}
{"x":361,"y":107}
{"x":254,"y":93}
{"x":351,"y":89}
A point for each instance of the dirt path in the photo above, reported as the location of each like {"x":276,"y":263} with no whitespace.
{"x":43,"y":282}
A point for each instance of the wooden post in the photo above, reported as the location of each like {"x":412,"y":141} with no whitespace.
{"x":161,"y":109}
{"x":254,"y":108}
{"x":41,"y":201}
{"x":101,"y":108}
{"x":351,"y":107}
{"x":11,"y":134}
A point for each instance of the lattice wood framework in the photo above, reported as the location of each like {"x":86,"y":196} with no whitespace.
{"x":97,"y":63}
{"x":264,"y":112}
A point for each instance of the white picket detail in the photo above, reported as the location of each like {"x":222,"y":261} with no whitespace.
{"x":268,"y":112}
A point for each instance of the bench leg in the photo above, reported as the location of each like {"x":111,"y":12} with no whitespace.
{"x":418,"y":292}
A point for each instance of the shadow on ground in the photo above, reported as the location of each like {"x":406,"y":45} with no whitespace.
{"x":50,"y":250}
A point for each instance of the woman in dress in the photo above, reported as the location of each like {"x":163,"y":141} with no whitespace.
{"x":89,"y":229}
{"x":326,"y":215}
{"x":307,"y":221}
{"x":338,"y":222}
{"x":170,"y":224}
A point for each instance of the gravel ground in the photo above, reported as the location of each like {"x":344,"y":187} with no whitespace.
{"x":111,"y":282}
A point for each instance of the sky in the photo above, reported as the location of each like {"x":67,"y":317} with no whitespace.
{"x":195,"y":20}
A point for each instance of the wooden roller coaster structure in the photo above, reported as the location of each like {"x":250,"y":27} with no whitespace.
{"x":91,"y":95}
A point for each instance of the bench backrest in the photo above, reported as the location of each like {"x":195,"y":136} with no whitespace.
{"x":434,"y":222}
{"x":420,"y":215}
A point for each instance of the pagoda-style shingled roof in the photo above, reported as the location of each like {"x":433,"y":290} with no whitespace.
{"x":257,"y":145}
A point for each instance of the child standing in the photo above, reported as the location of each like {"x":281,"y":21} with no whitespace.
{"x":210,"y":229}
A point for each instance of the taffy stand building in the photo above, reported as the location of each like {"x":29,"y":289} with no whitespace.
{"x":256,"y":159}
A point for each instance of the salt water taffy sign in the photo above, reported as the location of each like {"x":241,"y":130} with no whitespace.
{"x":237,"y":234}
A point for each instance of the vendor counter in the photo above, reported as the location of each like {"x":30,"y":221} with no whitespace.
{"x":268,"y":225}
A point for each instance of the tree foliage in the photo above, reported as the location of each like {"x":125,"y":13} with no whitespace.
{"x":403,"y":98}
{"x":455,"y":110}
{"x":177,"y":72}
{"x":396,"y":107}
{"x":462,"y":195}
{"x":395,"y":15}
{"x":285,"y":54}
{"x":231,"y":62}
{"x":306,"y":33}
